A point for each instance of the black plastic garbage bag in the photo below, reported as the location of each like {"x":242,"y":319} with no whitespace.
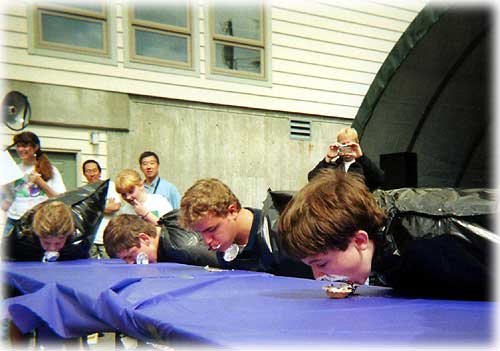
{"x":458,"y":227}
{"x":183,"y":246}
{"x":429,"y":212}
{"x":274,"y":204}
{"x":87,"y":203}
{"x":423,"y":212}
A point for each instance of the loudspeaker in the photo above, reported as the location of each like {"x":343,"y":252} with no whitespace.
{"x":16,"y":111}
{"x":400,"y":170}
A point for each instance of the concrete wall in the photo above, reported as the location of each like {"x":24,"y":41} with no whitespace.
{"x":71,"y":106}
{"x":250,"y":150}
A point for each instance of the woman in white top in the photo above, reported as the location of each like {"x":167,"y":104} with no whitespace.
{"x":41,"y":179}
{"x":149,"y":206}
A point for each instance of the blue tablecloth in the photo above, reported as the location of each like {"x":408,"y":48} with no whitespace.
{"x":173,"y":303}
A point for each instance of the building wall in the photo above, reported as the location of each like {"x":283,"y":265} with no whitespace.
{"x":250,"y":150}
{"x":324,"y":56}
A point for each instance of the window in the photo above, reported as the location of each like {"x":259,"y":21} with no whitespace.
{"x":66,"y":26}
{"x":237,"y":41}
{"x":161,"y":34}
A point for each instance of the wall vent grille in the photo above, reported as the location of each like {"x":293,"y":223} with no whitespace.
{"x":300,"y":129}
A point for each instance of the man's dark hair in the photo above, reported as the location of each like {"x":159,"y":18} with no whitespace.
{"x":91,"y":161}
{"x":147,"y":154}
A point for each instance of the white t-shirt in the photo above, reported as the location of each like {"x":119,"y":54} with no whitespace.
{"x":155,"y":203}
{"x":111,"y":194}
{"x":26,"y":194}
{"x":348,"y":164}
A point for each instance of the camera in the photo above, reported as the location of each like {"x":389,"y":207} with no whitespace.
{"x":344,"y":148}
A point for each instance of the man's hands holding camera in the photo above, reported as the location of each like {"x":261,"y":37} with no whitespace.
{"x":348,"y":151}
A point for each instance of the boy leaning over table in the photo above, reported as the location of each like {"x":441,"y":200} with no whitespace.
{"x":240,"y":235}
{"x":50,"y":239}
{"x":53,"y":223}
{"x":49,"y":236}
{"x":128,"y":237}
{"x":334,"y":225}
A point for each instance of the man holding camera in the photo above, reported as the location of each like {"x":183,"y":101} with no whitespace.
{"x":346,"y":154}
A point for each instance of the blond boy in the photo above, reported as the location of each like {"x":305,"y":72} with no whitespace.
{"x":346,"y":154}
{"x":149,"y":207}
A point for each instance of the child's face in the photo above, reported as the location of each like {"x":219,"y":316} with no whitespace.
{"x":218,"y":232}
{"x":53,"y":243}
{"x":146,"y":245}
{"x":135,"y":194}
{"x":348,"y":263}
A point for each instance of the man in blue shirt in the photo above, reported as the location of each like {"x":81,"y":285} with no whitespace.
{"x":153,"y":183}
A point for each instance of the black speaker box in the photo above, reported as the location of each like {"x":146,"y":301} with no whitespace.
{"x":400,"y":170}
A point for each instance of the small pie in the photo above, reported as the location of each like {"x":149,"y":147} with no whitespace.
{"x":339,"y":291}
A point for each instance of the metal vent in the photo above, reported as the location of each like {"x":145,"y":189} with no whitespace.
{"x":300,"y":129}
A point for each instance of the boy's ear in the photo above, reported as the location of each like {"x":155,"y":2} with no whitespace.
{"x":145,"y":238}
{"x":361,"y":239}
{"x":232,"y":209}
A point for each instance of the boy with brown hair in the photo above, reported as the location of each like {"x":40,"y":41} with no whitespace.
{"x":240,"y":235}
{"x":334,"y":225}
{"x":128,"y":235}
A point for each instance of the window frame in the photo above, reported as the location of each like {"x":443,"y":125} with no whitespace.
{"x":72,"y":13}
{"x":38,"y":46}
{"x":155,"y":27}
{"x":261,"y":45}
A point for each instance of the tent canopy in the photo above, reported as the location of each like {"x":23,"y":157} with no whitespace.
{"x":432,"y":97}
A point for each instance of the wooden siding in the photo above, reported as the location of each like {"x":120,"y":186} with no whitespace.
{"x":325,"y":55}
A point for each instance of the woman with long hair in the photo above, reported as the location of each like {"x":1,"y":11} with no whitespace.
{"x":41,"y":179}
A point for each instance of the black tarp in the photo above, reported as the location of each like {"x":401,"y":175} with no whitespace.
{"x":415,"y":213}
{"x":423,"y":213}
{"x":87,"y":204}
{"x":432,"y":97}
